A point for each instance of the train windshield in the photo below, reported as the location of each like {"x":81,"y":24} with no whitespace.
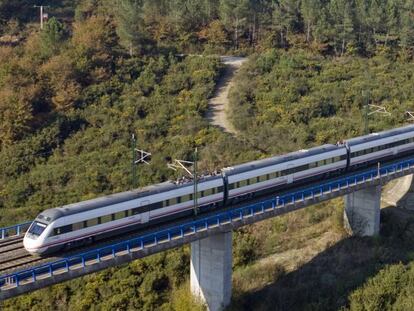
{"x":37,"y":228}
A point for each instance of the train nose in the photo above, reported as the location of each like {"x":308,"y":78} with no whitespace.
{"x":31,"y":245}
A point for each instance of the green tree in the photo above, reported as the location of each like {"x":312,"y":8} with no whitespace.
{"x":130,"y":25}
{"x":407,"y":29}
{"x":52,"y":37}
{"x":342,"y":14}
{"x":310,"y":10}
{"x":284,"y":19}
{"x":234,"y":14}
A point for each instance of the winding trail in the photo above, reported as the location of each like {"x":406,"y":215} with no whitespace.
{"x":218,"y":104}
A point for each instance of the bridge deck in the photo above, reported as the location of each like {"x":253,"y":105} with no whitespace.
{"x":108,"y":256}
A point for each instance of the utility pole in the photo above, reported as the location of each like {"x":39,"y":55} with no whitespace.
{"x":366,"y":95}
{"x":181,"y":164}
{"x":42,"y":15}
{"x":195,"y":182}
{"x":143,"y":155}
{"x":134,"y":159}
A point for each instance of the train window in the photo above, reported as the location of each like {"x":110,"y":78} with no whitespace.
{"x":328,"y":161}
{"x":213,"y":190}
{"x":37,"y":228}
{"x":106,"y":218}
{"x":166,"y":203}
{"x":191,"y":197}
{"x":66,"y":229}
{"x":135,"y":211}
{"x":302,"y":168}
{"x":173,"y":201}
{"x":200,"y":194}
{"x":62,"y":230}
{"x":208,"y":192}
{"x":312,"y":165}
{"x":238,"y":184}
{"x":127,"y":213}
{"x":220,"y":189}
{"x":154,"y":206}
{"x":262,"y":178}
{"x":243,"y":183}
{"x":92,"y":222}
{"x":231,"y":186}
{"x":119,"y":215}
{"x":77,"y":226}
{"x":179,"y":200}
{"x":185,"y":198}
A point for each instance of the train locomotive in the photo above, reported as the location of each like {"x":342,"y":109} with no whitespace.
{"x":75,"y":224}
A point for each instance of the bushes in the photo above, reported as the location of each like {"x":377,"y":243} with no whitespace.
{"x":386,"y":291}
{"x":316,"y":100}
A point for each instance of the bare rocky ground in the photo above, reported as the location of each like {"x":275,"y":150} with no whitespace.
{"x":218,"y":105}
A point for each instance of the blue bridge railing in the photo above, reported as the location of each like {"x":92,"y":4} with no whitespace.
{"x":153,"y":239}
{"x":14,"y":230}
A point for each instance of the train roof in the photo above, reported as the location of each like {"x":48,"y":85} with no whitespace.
{"x":380,"y":135}
{"x":52,"y":214}
{"x":237,"y":169}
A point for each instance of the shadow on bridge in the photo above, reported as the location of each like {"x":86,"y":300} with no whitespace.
{"x":325,"y":282}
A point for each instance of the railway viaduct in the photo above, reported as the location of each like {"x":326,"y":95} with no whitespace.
{"x":211,"y":236}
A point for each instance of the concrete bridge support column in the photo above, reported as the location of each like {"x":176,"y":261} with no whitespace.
{"x":362,"y":211}
{"x":211,"y":270}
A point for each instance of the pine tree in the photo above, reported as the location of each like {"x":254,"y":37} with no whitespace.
{"x":52,"y":37}
{"x":310,"y":10}
{"x":130,"y":27}
{"x":234,"y":14}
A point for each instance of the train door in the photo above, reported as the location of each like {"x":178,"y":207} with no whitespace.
{"x":396,"y":148}
{"x":290,"y":173}
{"x":145,"y":211}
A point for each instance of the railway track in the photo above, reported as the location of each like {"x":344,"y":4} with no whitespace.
{"x":13,"y":256}
{"x":10,"y":243}
{"x":20,"y":259}
{"x":12,"y":253}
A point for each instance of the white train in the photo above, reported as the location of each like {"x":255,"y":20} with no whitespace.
{"x":74,"y":224}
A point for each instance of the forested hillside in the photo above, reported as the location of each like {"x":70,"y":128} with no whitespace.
{"x":312,"y":100}
{"x":73,"y":93}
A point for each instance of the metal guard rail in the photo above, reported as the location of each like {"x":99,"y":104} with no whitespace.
{"x":80,"y":261}
{"x":15,"y":230}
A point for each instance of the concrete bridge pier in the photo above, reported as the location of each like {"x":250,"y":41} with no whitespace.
{"x":362,"y":211}
{"x":211,"y":270}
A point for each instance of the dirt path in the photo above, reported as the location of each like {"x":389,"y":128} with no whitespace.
{"x":218,"y":104}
